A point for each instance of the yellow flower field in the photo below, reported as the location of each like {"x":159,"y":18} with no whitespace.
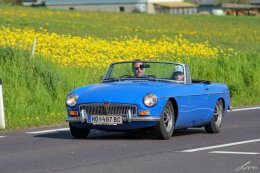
{"x":88,"y":51}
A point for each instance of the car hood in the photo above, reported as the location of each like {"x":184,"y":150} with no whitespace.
{"x":123,"y":92}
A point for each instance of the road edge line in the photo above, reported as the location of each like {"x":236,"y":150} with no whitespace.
{"x":220,"y":146}
{"x":48,"y":131}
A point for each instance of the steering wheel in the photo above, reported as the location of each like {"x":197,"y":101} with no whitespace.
{"x":152,"y":76}
{"x":125,"y":76}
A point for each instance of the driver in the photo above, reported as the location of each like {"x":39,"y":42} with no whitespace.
{"x":178,"y":73}
{"x":138,"y":68}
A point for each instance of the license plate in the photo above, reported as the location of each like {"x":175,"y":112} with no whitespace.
{"x":105,"y":119}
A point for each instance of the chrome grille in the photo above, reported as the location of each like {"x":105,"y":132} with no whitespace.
{"x":112,"y":109}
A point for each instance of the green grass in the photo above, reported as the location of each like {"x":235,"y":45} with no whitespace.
{"x":30,"y":87}
{"x":240,"y":73}
{"x":35,"y":89}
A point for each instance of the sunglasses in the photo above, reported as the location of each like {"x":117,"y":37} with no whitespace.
{"x":178,"y":73}
{"x":141,"y":67}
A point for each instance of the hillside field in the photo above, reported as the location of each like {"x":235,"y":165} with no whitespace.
{"x":74,"y":48}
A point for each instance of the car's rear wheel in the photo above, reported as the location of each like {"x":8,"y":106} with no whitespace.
{"x":164,"y":129}
{"x":78,"y":133}
{"x":214,"y":125}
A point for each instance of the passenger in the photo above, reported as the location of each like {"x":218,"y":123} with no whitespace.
{"x":138,"y":68}
{"x":178,"y":73}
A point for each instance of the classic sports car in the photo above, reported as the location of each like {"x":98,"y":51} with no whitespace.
{"x":147,"y":94}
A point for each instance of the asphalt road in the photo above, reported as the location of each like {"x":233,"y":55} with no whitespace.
{"x":235,"y":149}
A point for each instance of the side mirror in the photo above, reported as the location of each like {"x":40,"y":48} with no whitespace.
{"x":146,"y":65}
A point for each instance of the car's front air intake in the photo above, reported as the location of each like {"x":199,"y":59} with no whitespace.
{"x":108,"y":109}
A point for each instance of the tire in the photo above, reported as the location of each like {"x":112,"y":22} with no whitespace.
{"x":164,"y":129}
{"x":79,"y":133}
{"x":216,"y":121}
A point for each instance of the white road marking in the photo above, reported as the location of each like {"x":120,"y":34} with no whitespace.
{"x":2,"y":136}
{"x":232,"y":152}
{"x":220,"y":146}
{"x":245,"y":109}
{"x":48,"y":131}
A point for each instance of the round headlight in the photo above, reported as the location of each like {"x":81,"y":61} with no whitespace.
{"x":71,"y":100}
{"x":150,"y":100}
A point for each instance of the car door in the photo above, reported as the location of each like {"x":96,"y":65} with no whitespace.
{"x":200,"y":103}
{"x":194,"y":105}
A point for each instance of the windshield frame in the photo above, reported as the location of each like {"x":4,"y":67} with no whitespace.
{"x":110,"y":68}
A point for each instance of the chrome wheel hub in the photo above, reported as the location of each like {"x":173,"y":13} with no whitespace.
{"x":218,"y":114}
{"x":167,"y":119}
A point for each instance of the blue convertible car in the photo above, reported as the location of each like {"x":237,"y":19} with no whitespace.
{"x":140,"y":94}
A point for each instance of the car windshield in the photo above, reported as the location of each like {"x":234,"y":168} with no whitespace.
{"x":145,"y":70}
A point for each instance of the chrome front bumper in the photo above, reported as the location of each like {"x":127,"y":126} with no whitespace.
{"x":129,"y":118}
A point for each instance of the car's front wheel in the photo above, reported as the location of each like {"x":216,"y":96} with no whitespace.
{"x":214,"y":125}
{"x":78,"y":133}
{"x":165,"y":127}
